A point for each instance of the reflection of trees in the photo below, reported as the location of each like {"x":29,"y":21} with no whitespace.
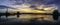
{"x":8,"y":14}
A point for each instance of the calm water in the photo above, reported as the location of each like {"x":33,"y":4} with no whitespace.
{"x":26,"y":17}
{"x":30,"y":16}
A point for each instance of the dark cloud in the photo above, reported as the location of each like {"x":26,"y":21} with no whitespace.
{"x":37,"y":1}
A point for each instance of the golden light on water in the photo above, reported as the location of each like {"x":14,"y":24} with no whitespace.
{"x":39,"y":17}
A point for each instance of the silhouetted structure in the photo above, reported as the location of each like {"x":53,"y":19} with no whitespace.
{"x":18,"y":14}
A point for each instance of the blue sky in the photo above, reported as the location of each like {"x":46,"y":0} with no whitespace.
{"x":4,"y":2}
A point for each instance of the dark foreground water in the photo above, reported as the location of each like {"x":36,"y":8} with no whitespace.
{"x":27,"y":20}
{"x":15,"y":21}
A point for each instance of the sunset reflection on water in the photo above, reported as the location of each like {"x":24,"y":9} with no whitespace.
{"x":30,"y":16}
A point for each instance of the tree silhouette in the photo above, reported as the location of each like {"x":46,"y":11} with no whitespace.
{"x":55,"y":15}
{"x":18,"y":14}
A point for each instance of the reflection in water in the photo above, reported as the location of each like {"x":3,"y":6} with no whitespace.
{"x":30,"y":16}
{"x":9,"y":16}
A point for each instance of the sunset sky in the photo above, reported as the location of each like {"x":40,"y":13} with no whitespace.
{"x":12,"y":3}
